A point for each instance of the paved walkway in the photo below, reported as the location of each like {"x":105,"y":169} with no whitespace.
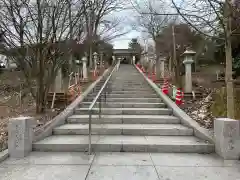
{"x":119,"y":166}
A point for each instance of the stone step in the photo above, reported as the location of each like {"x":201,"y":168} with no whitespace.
{"x":150,"y":100}
{"x":133,"y":95}
{"x":123,"y":83}
{"x":132,"y":92}
{"x":119,"y":85}
{"x":125,"y":105}
{"x":169,"y":144}
{"x":124,"y":119}
{"x":134,"y":81}
{"x":135,"y":88}
{"x":130,"y":111}
{"x":125,"y":129}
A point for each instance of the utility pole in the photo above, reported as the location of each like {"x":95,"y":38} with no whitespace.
{"x":177,"y":79}
{"x":90,"y":34}
{"x":228,"y":51}
{"x":146,"y":46}
{"x":70,"y":36}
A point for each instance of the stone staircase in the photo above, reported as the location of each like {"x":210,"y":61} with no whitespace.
{"x":134,"y":119}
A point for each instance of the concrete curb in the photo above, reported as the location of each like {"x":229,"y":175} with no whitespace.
{"x":199,"y":131}
{"x":4,"y":155}
{"x":61,"y":118}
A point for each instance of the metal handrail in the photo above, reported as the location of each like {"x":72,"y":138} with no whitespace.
{"x":98,"y":97}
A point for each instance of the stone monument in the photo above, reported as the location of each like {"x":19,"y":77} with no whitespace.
{"x":227,"y":138}
{"x":20,"y":136}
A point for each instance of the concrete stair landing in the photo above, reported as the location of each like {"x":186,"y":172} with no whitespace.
{"x":133,"y":119}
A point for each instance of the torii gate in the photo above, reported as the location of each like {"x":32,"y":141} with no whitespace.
{"x":129,"y":54}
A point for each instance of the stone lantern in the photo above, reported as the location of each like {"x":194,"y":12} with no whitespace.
{"x":188,"y":60}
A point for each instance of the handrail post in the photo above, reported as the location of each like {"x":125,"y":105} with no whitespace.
{"x":106,"y":90}
{"x":105,"y":96}
{"x":90,"y":133}
{"x":100,"y":106}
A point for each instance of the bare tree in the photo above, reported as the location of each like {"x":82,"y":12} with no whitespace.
{"x":95,"y":12}
{"x":34,"y":31}
{"x":149,"y":22}
{"x":152,"y":24}
{"x":211,"y":18}
{"x":112,"y":28}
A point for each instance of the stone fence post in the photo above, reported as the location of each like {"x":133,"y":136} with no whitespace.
{"x":113,"y":60}
{"x":58,"y":81}
{"x":20,"y":136}
{"x":95,"y":58}
{"x":133,"y":60}
{"x":162,"y":66}
{"x":101,"y":60}
{"x":227,"y":138}
{"x":84,"y":69}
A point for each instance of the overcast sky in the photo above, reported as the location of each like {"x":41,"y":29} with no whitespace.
{"x":122,"y":43}
{"x":127,"y":17}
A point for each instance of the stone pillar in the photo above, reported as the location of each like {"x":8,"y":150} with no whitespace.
{"x":101,"y":60}
{"x":58,"y":81}
{"x":78,"y":63}
{"x":158,"y":71}
{"x":133,"y":59}
{"x":142,"y":60}
{"x":113,"y":60}
{"x":151,"y":62}
{"x":84,"y":68}
{"x":150,"y":66}
{"x":162,"y":66}
{"x":20,"y":136}
{"x":153,"y":66}
{"x":227,"y":138}
{"x":146,"y":62}
{"x":188,"y":60}
{"x":118,"y":64}
{"x":95,"y":58}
